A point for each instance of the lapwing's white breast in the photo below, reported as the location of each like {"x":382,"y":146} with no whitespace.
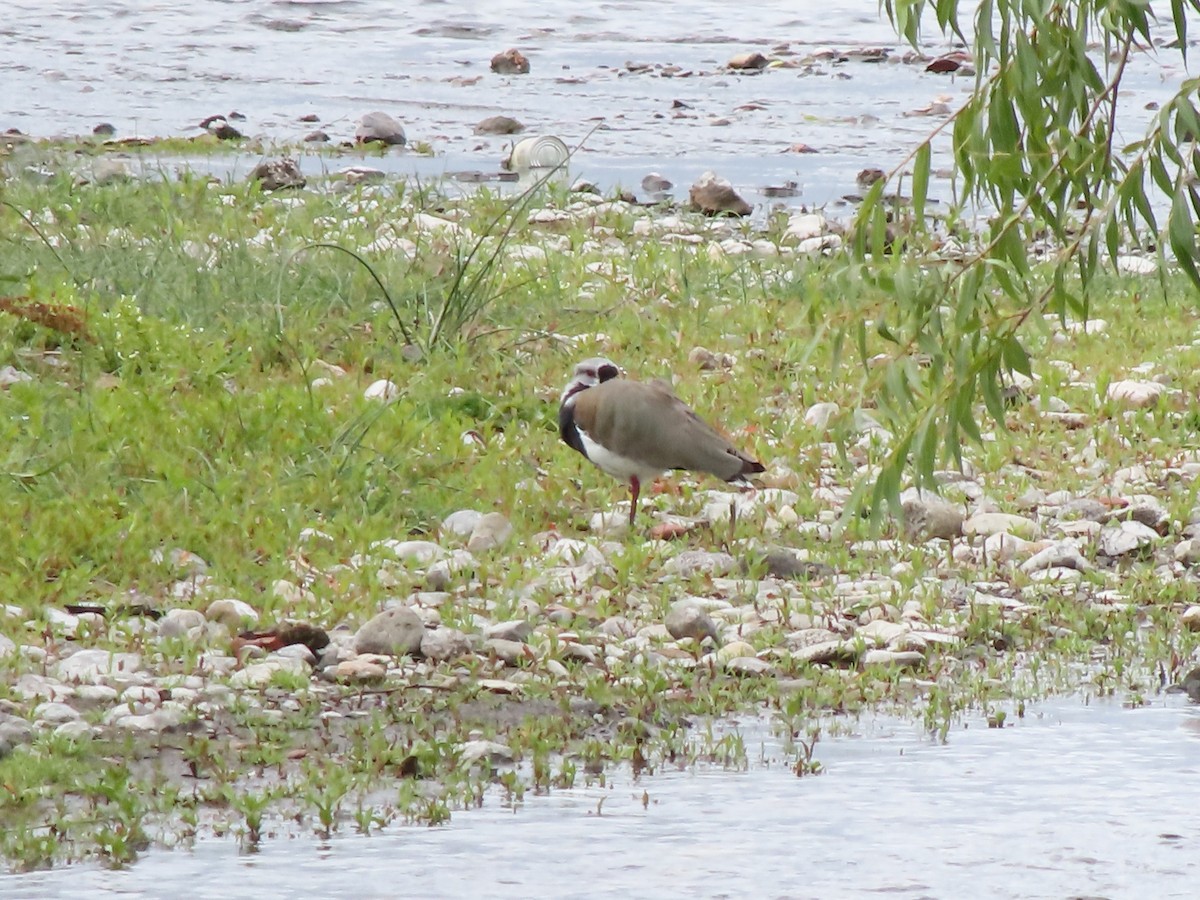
{"x":614,"y":463}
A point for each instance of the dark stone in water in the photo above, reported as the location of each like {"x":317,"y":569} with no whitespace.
{"x":656,"y":184}
{"x":713,"y":196}
{"x":379,"y":127}
{"x":787,"y":189}
{"x":104,"y":129}
{"x":499,"y":125}
{"x":277,"y":174}
{"x":1190,"y":685}
{"x":510,"y":62}
{"x":219,"y":127}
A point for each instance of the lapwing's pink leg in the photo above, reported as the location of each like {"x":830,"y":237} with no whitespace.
{"x":635,"y":490}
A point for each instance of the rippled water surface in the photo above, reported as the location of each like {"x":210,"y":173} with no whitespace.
{"x":1076,"y":800}
{"x":158,"y":68}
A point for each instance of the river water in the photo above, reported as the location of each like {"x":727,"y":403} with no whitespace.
{"x":158,"y":68}
{"x":1078,"y":799}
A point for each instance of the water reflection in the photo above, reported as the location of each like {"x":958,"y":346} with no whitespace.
{"x":1077,"y":799}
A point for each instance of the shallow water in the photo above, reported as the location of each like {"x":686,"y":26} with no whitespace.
{"x":1077,"y":799}
{"x":1074,"y":800}
{"x":158,"y":68}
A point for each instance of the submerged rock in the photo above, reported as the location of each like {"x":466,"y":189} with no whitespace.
{"x":510,"y":62}
{"x":714,"y":195}
{"x":278,"y":174}
{"x":379,"y":127}
{"x":752,"y":61}
{"x":499,"y":125}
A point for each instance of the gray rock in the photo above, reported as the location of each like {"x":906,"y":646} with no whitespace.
{"x":461,"y":522}
{"x":177,"y":622}
{"x":106,"y":170}
{"x":748,"y":665}
{"x":443,"y":644}
{"x":514,"y":630}
{"x":499,"y":125}
{"x":31,"y":686}
{"x":653,"y":183}
{"x":714,"y":196}
{"x":495,"y":753}
{"x":735,"y":650}
{"x":411,"y":551}
{"x":511,"y":653}
{"x":441,"y":575}
{"x":13,"y":733}
{"x":572,"y":552}
{"x":510,"y":62}
{"x":687,"y":620}
{"x":1135,"y":394}
{"x":580,"y":652}
{"x":928,"y":516}
{"x":55,"y":713}
{"x":394,"y":632}
{"x":991,"y":523}
{"x":7,"y":646}
{"x":1083,"y":508}
{"x":1062,"y":554}
{"x":97,"y":693}
{"x":490,"y":532}
{"x":903,"y":659}
{"x":278,"y":174}
{"x":233,"y":614}
{"x":819,"y":415}
{"x":1127,"y":538}
{"x":1147,"y":510}
{"x":93,"y":666}
{"x":882,"y":632}
{"x":786,"y":564}
{"x":1186,"y":552}
{"x":810,"y":637}
{"x":10,"y":376}
{"x":379,"y":127}
{"x":829,"y":652}
{"x":360,"y":669}
{"x":141,"y":693}
{"x":260,"y":674}
{"x":302,"y":652}
{"x":696,"y":562}
{"x":75,"y":730}
{"x":159,"y":720}
{"x":751,"y":61}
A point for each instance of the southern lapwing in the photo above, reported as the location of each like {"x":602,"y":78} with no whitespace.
{"x":636,"y":431}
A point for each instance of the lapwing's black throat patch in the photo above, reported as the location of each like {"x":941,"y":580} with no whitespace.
{"x":567,"y":429}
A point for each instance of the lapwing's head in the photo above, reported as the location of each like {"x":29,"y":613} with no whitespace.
{"x":590,"y":373}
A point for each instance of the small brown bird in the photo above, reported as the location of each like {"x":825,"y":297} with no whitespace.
{"x":636,"y":431}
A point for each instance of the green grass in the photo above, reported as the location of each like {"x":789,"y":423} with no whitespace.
{"x":184,"y":415}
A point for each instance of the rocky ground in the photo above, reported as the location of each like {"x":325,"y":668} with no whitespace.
{"x":224,"y":610}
